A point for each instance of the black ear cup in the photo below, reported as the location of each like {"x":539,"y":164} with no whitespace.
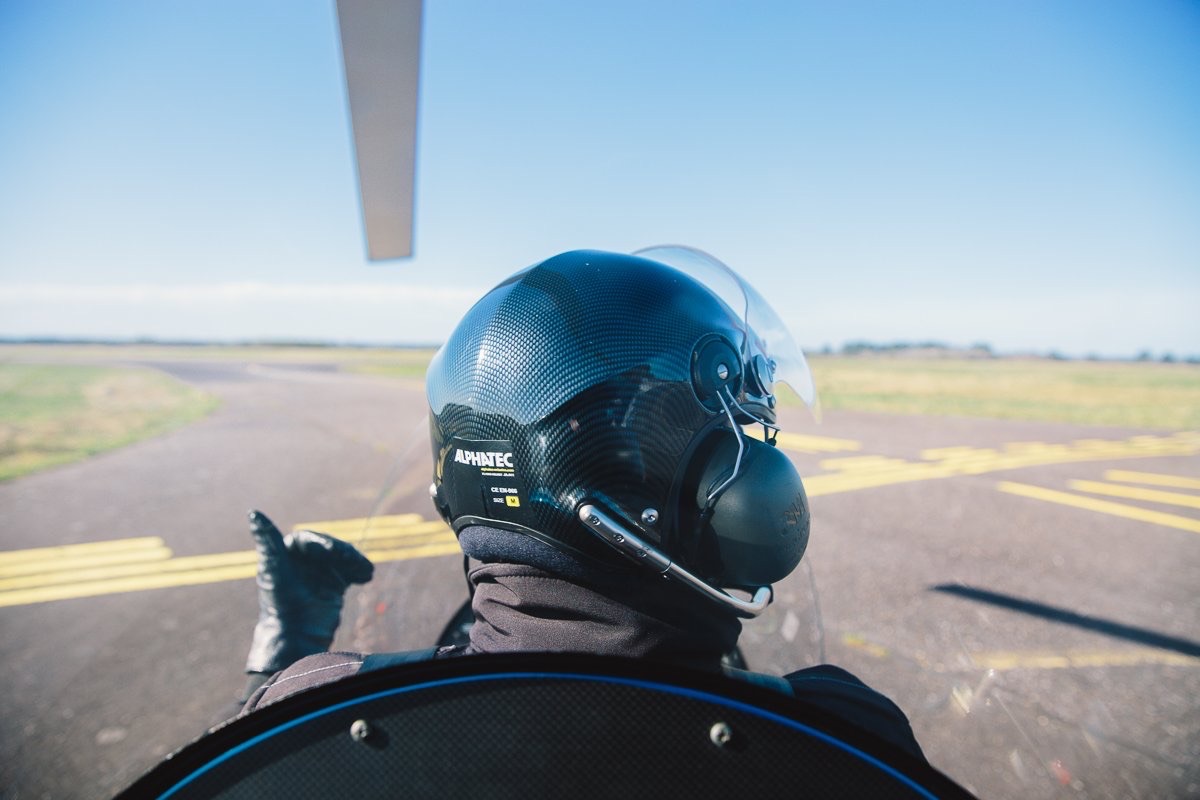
{"x":760,"y":520}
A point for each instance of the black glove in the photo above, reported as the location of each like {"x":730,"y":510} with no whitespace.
{"x":301,"y":580}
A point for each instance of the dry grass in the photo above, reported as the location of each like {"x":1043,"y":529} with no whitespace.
{"x":1139,"y":395}
{"x":53,"y":414}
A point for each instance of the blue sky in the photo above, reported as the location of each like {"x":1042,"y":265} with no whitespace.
{"x":1022,"y":173}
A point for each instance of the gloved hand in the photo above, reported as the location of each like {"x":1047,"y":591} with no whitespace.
{"x":302,"y":578}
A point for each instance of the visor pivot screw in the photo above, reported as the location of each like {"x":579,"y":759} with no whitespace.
{"x":720,"y":734}
{"x":360,"y":730}
{"x":650,"y":516}
{"x":723,"y":371}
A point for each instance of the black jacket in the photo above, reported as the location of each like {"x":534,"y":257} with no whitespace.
{"x":520,"y":608}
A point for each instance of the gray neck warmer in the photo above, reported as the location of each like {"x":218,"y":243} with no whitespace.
{"x":523,"y":608}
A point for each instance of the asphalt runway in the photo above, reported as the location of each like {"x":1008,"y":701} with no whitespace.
{"x":1026,"y":592}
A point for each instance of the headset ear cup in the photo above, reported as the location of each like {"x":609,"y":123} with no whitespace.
{"x":760,"y":522}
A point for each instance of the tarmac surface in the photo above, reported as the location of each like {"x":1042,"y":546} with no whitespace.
{"x":1026,"y":592}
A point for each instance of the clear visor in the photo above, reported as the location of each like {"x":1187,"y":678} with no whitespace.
{"x":767,"y":347}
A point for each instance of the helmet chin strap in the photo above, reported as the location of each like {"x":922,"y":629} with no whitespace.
{"x":631,"y":545}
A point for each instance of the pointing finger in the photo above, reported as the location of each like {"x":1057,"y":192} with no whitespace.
{"x":267,"y":538}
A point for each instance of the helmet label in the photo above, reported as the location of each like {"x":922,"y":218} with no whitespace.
{"x":490,"y":459}
{"x":486,"y":479}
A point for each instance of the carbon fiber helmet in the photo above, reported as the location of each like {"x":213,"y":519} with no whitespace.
{"x":596,"y":402}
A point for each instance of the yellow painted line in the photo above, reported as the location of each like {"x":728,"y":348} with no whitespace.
{"x":803,"y":443}
{"x":865,"y":472}
{"x":98,"y":573}
{"x":1137,"y":493}
{"x":77,"y":578}
{"x":861,"y":643}
{"x":857,"y":463}
{"x":187,"y":563}
{"x":942,"y":453}
{"x":119,"y":585}
{"x":1101,"y":506}
{"x":74,"y":550}
{"x":420,"y":529}
{"x":408,"y":542}
{"x":1001,"y":661}
{"x":139,"y":555}
{"x":163,"y":580}
{"x":349,"y":528}
{"x":1152,"y":478}
{"x":360,"y":538}
{"x":159,"y":560}
{"x":834,"y":483}
{"x":424,"y":551}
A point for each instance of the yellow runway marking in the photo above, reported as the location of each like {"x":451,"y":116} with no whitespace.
{"x":1152,"y":478}
{"x":101,"y":573}
{"x":139,"y":583}
{"x":349,"y":529}
{"x":865,"y":472}
{"x":189,"y":563}
{"x":409,"y":530}
{"x":1102,"y":506}
{"x":861,"y":643}
{"x":864,"y":464}
{"x":140,"y":554}
{"x":1002,"y":661}
{"x":73,"y":550}
{"x":816,"y":444}
{"x":803,"y":443}
{"x":95,"y":568}
{"x":1137,"y":493}
{"x":445,"y":548}
{"x":129,"y":565}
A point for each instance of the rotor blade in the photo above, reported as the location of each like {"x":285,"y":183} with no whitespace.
{"x":381,"y":49}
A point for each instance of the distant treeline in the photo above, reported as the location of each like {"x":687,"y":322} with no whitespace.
{"x":862,"y":347}
{"x":935,"y":349}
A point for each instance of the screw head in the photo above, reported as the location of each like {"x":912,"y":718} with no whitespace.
{"x":650,"y":516}
{"x":360,"y":730}
{"x":722,"y":371}
{"x":720,"y":734}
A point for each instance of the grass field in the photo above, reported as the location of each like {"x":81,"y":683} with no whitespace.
{"x":1122,"y":394}
{"x":53,"y":414}
{"x":1125,"y":394}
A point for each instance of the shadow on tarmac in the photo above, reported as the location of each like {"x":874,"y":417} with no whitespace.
{"x":1062,"y":615}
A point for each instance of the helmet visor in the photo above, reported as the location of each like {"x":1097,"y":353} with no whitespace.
{"x":768,"y":348}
